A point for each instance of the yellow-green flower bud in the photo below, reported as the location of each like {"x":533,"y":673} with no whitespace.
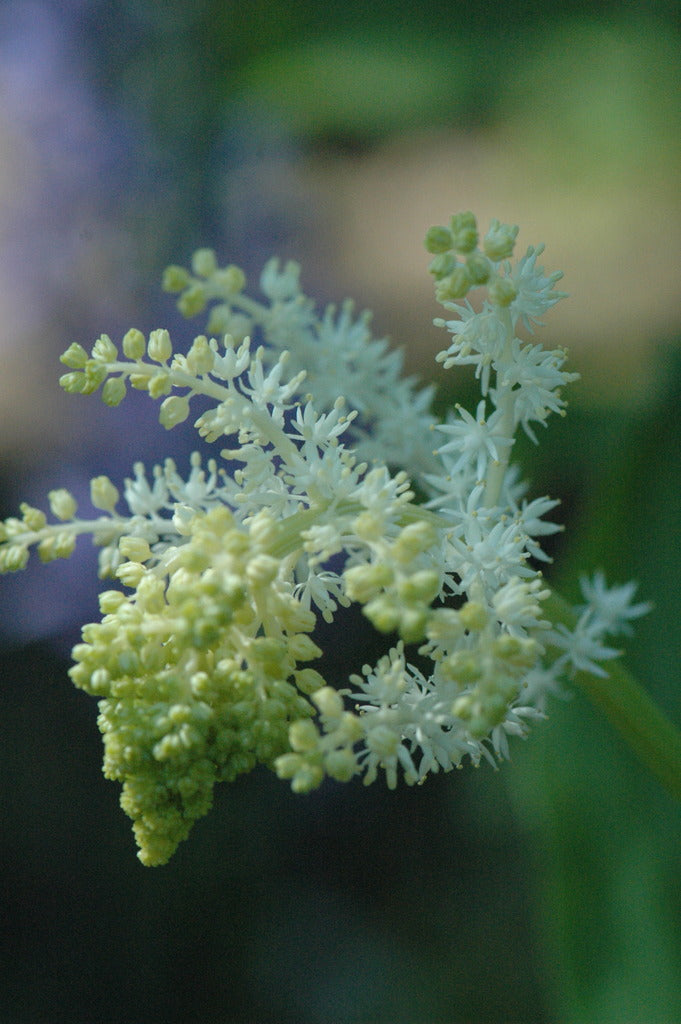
{"x":204,"y":262}
{"x":329,"y":702}
{"x":34,"y":518}
{"x":362,"y":582}
{"x":160,"y":384}
{"x":104,"y":350}
{"x":287,"y":765}
{"x":439,"y":239}
{"x":13,"y":557}
{"x":57,"y":545}
{"x":62,"y":504}
{"x":340,"y":765}
{"x":263,"y":528}
{"x":462,"y":666}
{"x":200,"y":358}
{"x":456,"y":286}
{"x":135,"y":549}
{"x":368,"y":525}
{"x":442,"y":265}
{"x":192,"y":301}
{"x":114,"y":391}
{"x":134,"y":345}
{"x":412,"y":624}
{"x":231,"y":279}
{"x":495,"y":708}
{"x":95,"y":374}
{"x":499,"y":241}
{"x":110,"y":601}
{"x":160,"y":347}
{"x":103,"y":494}
{"x":303,"y":648}
{"x":350,"y":728}
{"x":413,"y":540}
{"x":502,"y":291}
{"x":422,"y":586}
{"x":478,"y":267}
{"x":75,"y":357}
{"x":130,"y":573}
{"x":383,"y":613}
{"x":12,"y":527}
{"x":307,"y":778}
{"x":262,"y":570}
{"x":74,"y":383}
{"x":473,"y":615}
{"x":308,"y":680}
{"x":464,"y":230}
{"x":444,"y":624}
{"x":463,"y":707}
{"x":174,"y":279}
{"x":517,"y":651}
{"x":303,"y":736}
{"x":173,"y":411}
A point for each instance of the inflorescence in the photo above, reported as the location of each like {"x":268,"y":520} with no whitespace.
{"x":204,"y":660}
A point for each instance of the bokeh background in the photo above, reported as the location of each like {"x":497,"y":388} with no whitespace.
{"x":336,"y":133}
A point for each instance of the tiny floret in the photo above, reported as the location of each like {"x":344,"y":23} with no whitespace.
{"x":103,"y":494}
{"x":62,"y":504}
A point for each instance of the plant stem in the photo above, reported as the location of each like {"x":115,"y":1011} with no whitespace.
{"x":652,"y":736}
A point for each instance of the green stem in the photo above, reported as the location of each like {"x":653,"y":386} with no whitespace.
{"x":506,"y":402}
{"x":653,"y":737}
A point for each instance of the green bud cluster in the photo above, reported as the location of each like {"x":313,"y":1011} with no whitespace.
{"x":158,"y":373}
{"x":52,"y":540}
{"x":323,"y":749}
{"x":205,"y":282}
{"x":489,"y":668}
{"x":459,"y":265}
{"x":398,"y":587}
{"x":197,"y":674}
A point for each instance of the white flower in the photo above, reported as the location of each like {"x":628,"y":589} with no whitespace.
{"x":611,"y":607}
{"x":198,"y":489}
{"x":280,"y":285}
{"x":479,"y":339}
{"x":516,"y":605}
{"x":528,"y":518}
{"x":271,"y":388}
{"x":484,"y":548}
{"x":233,"y":361}
{"x":322,"y":588}
{"x":403,"y":714}
{"x":582,"y":646}
{"x":535,"y":376}
{"x":535,"y":291}
{"x":319,"y":428}
{"x":475,"y":440}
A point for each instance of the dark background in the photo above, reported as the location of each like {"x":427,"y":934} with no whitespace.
{"x":336,"y":133}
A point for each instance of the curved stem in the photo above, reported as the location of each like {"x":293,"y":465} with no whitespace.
{"x":652,"y":736}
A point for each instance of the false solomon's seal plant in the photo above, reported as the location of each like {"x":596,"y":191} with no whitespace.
{"x":204,"y":661}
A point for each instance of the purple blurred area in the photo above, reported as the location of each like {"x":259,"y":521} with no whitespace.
{"x":91,"y":210}
{"x":75,"y":180}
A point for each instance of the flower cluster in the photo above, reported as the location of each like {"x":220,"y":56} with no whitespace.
{"x":203,"y":661}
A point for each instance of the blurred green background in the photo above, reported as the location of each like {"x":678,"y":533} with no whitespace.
{"x":336,"y":133}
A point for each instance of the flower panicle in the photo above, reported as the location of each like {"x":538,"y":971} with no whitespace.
{"x":204,"y":661}
{"x":335,"y":349}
